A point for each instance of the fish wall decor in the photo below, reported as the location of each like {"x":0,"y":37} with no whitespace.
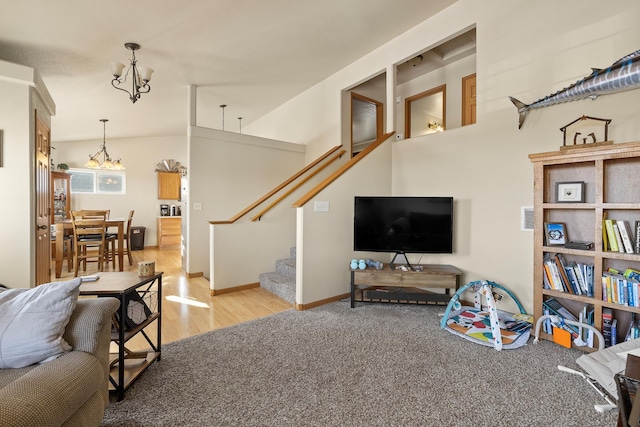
{"x":622,"y":75}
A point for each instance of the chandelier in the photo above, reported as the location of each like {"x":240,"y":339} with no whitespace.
{"x":107,"y":162}
{"x":140,"y":76}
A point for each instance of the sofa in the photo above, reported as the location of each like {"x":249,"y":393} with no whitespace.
{"x":69,"y":388}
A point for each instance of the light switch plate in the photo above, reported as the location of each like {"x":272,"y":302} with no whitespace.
{"x":320,"y":206}
{"x":197,"y":206}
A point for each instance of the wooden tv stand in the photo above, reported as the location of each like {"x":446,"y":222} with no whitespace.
{"x":398,"y":286}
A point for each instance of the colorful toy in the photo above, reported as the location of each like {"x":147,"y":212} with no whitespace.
{"x":490,"y":326}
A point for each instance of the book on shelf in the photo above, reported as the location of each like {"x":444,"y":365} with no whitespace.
{"x":605,"y":236}
{"x":607,"y":319}
{"x":626,"y":235}
{"x":586,"y":316}
{"x":637,"y":240}
{"x":618,"y":289}
{"x":631,"y":273}
{"x":616,"y":232}
{"x":611,"y":235}
{"x":614,"y":331}
{"x":562,"y":269}
{"x":552,"y":270}
{"x":634,"y":330}
{"x":574,"y":278}
{"x":556,"y":308}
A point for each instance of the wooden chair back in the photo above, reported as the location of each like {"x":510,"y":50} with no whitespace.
{"x":89,"y":229}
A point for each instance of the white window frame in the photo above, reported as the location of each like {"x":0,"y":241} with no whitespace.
{"x":96,"y":174}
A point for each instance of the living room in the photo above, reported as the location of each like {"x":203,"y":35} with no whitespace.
{"x":524,"y":49}
{"x":489,"y":196}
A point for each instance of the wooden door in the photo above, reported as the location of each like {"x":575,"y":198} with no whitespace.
{"x":469,"y":100}
{"x":43,"y":203}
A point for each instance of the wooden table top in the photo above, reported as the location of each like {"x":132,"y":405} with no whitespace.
{"x":116,"y":282}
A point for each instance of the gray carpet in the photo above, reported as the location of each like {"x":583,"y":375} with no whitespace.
{"x":375,"y":365}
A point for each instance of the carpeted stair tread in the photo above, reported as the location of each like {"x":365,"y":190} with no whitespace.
{"x":282,"y":282}
{"x":279,"y":285}
{"x":286,"y":267}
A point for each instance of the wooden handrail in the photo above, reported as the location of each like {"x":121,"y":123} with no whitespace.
{"x":298,"y":185}
{"x":278,"y":188}
{"x":342,"y":169}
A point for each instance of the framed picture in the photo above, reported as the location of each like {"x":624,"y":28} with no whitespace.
{"x":570,"y":192}
{"x":555,"y":233}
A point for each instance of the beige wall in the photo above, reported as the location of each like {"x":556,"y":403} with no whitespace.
{"x":524,"y":49}
{"x":140,"y":157}
{"x":227,"y":172}
{"x":22,"y":93}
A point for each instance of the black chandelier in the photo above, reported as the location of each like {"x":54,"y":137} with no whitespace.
{"x":140,"y":76}
{"x":107,"y":162}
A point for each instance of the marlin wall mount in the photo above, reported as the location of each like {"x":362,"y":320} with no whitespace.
{"x":622,"y":75}
{"x":590,"y":138}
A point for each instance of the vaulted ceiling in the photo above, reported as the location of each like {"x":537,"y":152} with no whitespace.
{"x":251,"y":55}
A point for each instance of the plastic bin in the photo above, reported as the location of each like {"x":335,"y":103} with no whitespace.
{"x":137,"y":238}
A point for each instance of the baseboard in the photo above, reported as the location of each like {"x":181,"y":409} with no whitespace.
{"x":215,"y":292}
{"x":192,"y":275}
{"x":301,"y":307}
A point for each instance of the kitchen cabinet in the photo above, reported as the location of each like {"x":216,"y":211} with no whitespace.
{"x":168,"y":186}
{"x":169,"y":232}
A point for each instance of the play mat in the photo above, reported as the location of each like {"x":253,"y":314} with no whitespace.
{"x":488,"y":326}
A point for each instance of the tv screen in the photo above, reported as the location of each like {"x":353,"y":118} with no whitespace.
{"x":403,"y":224}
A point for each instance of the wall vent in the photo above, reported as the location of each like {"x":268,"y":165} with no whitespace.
{"x":526,"y":218}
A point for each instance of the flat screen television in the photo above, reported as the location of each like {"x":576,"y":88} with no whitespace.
{"x":403,"y":224}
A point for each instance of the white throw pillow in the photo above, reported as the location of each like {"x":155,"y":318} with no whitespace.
{"x":32,"y":322}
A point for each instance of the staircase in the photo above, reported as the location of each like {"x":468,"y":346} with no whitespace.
{"x":282,"y":282}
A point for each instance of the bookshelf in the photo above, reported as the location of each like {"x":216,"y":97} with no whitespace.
{"x":611,"y":176}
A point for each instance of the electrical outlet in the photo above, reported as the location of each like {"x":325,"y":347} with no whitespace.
{"x":197,"y":206}
{"x":319,"y":206}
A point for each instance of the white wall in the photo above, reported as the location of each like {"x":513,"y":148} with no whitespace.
{"x":22,"y":93}
{"x":140,"y":157}
{"x":227,"y":172}
{"x":524,"y":49}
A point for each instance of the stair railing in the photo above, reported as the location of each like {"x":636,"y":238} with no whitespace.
{"x":341,"y":170}
{"x":259,"y":215}
{"x":284,"y":184}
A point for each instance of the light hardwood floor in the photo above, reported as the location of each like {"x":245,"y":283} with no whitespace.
{"x":188,"y":308}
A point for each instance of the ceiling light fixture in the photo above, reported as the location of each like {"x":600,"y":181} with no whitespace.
{"x":223,"y":106}
{"x":107,"y":163}
{"x":140,"y":76}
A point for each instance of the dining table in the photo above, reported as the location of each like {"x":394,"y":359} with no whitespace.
{"x":65,"y":227}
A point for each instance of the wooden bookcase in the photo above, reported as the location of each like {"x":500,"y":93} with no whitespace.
{"x":611,"y":174}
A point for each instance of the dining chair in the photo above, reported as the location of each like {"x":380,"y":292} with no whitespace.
{"x":127,"y":234}
{"x":88,"y":233}
{"x":110,"y":238}
{"x":67,"y":249}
